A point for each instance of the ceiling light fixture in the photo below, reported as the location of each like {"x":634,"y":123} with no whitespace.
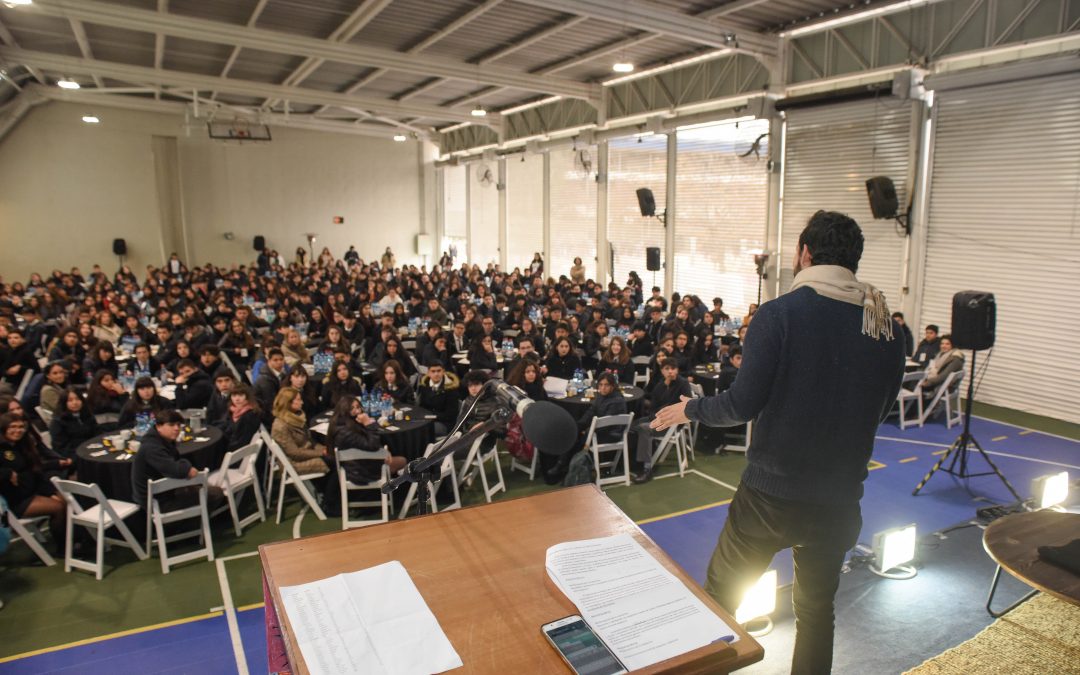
{"x":18,"y":3}
{"x":90,"y":119}
{"x":623,"y":67}
{"x":67,"y":84}
{"x":479,"y":111}
{"x":400,"y":138}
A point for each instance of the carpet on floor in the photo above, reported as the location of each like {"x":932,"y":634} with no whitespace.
{"x":1040,"y":636}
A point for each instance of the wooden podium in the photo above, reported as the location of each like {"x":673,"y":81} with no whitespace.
{"x":481,"y":571}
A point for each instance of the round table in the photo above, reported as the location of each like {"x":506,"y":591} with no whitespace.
{"x":1013,"y":542}
{"x":113,"y":474}
{"x":707,"y":378}
{"x":576,"y":405}
{"x":408,"y":439}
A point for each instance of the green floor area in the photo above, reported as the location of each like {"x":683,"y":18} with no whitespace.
{"x":1038,"y":422}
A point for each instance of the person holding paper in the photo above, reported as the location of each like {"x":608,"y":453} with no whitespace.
{"x":821,"y":368}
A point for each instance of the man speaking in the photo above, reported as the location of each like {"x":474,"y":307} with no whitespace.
{"x":820,"y":370}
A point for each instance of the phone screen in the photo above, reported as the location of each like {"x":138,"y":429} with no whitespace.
{"x":585,"y":652}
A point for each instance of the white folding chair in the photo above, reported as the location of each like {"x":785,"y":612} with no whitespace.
{"x":289,"y":476}
{"x":619,"y":447}
{"x":347,"y":486}
{"x":29,"y":531}
{"x":530,"y":468}
{"x":672,"y":438}
{"x":23,"y":384}
{"x":157,"y":519}
{"x":737,"y":447}
{"x":98,"y":519}
{"x":446,"y":470}
{"x":474,"y":463}
{"x":905,"y":398}
{"x":236,"y":475}
{"x":228,"y":362}
{"x":641,"y":377}
{"x":947,"y":394}
{"x":45,"y":415}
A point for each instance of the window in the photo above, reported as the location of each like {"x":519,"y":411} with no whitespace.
{"x":524,"y":209}
{"x":635,"y":163}
{"x":721,"y":211}
{"x":573,"y":211}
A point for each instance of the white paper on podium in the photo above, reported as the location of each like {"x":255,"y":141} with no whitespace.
{"x":637,"y":607}
{"x":373,"y":622}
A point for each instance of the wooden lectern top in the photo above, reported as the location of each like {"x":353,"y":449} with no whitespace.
{"x":481,"y":571}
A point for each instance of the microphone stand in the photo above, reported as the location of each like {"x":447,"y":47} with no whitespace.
{"x":422,"y":471}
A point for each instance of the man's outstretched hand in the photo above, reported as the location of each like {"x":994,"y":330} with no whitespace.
{"x":671,"y":415}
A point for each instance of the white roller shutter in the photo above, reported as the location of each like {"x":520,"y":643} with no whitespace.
{"x":573,"y":211}
{"x":483,"y":213}
{"x":635,"y":163}
{"x":524,"y":209}
{"x":721,"y":211}
{"x":454,"y":208}
{"x":830,"y":151}
{"x":1005,"y":218}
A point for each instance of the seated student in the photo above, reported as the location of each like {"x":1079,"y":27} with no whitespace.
{"x":101,"y":357}
{"x":434,"y":312}
{"x":948,"y":360}
{"x":437,"y":393}
{"x":427,"y":337}
{"x":526,"y":351}
{"x":24,"y":481}
{"x":482,"y":354}
{"x":339,"y":382}
{"x":928,"y":347}
{"x":529,"y":330}
{"x":664,"y":351}
{"x":393,"y":350}
{"x":244,"y":418}
{"x":394,"y":382}
{"x":909,"y":339}
{"x":105,"y":395}
{"x":145,"y":400}
{"x":193,"y":386}
{"x":705,"y":350}
{"x":107,"y":329}
{"x":181,"y":350}
{"x":640,"y":343}
{"x":616,"y":360}
{"x":298,"y":379}
{"x":72,"y":424}
{"x":19,"y":358}
{"x":143,"y":364}
{"x":608,"y":401}
{"x":351,"y":429}
{"x":210,"y":358}
{"x":471,"y":416}
{"x":68,"y":348}
{"x":56,"y":381}
{"x":238,"y":344}
{"x":667,"y":392}
{"x":293,"y":348}
{"x":681,"y":352}
{"x":217,"y":407}
{"x":526,"y":376}
{"x":458,"y":340}
{"x":562,"y":361}
{"x":166,"y":344}
{"x":269,"y":381}
{"x":729,"y":369}
{"x":290,"y":430}
{"x":436,"y":352}
{"x":158,"y":457}
{"x":334,"y":341}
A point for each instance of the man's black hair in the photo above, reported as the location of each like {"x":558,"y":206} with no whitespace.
{"x":933,"y":327}
{"x":833,"y":239}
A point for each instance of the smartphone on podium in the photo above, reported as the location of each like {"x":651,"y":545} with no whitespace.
{"x":581,"y":648}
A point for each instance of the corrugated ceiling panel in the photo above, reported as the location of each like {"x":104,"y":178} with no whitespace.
{"x":316,"y":19}
{"x":501,"y":25}
{"x":234,"y":11}
{"x":406,"y":22}
{"x":334,"y":76}
{"x":195,"y":56}
{"x":577,"y":39}
{"x":260,"y":66}
{"x":121,"y":45}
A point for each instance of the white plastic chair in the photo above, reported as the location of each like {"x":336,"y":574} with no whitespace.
{"x":947,"y":394}
{"x":98,"y":519}
{"x":672,"y":438}
{"x":237,"y":474}
{"x":446,"y":470}
{"x":45,"y":415}
{"x":474,"y":463}
{"x":158,"y":519}
{"x":619,"y":447}
{"x":228,"y":362}
{"x":905,"y":398}
{"x":28,"y":530}
{"x":641,"y":377}
{"x":289,"y":476}
{"x":347,"y":486}
{"x":23,"y":384}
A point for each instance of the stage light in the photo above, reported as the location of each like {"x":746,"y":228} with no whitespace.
{"x":623,"y":67}
{"x":67,"y":84}
{"x":479,"y":111}
{"x":758,"y":602}
{"x":892,"y":549}
{"x":1050,"y":490}
{"x":90,"y":119}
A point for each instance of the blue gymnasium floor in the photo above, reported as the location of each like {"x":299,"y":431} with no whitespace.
{"x":901,"y":459}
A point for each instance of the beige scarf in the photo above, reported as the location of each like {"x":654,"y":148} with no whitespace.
{"x":839,"y":283}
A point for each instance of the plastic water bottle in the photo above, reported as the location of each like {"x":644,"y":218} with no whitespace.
{"x":163,"y":375}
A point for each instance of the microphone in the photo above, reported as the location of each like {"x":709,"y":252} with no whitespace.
{"x":547,"y":426}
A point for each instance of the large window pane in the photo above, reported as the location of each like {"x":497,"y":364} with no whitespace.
{"x":721,"y":211}
{"x":454,"y":209}
{"x":524,"y":209}
{"x":635,"y":163}
{"x":484,"y":209}
{"x":573,"y":210}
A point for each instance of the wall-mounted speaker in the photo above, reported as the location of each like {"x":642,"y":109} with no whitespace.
{"x":259,"y":243}
{"x":652,"y":258}
{"x":882,"y":194}
{"x":974,"y":320}
{"x":119,"y":247}
{"x":646,"y":202}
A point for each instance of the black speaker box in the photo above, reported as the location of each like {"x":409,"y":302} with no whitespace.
{"x":260,"y":242}
{"x":652,"y":258}
{"x":974,"y":319}
{"x":882,"y":194}
{"x":646,"y":202}
{"x":119,"y":247}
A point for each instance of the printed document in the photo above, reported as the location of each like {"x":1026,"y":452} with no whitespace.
{"x":640,"y":609}
{"x":373,"y":621}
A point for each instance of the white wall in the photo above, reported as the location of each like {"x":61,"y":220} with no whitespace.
{"x":68,"y":188}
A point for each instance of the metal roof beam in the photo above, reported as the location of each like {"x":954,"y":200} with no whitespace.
{"x":255,"y":13}
{"x":655,"y":19}
{"x":109,"y":14}
{"x":174,"y":78}
{"x":8,"y":39}
{"x":84,"y":46}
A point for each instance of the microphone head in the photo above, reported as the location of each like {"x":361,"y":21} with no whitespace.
{"x":550,"y":428}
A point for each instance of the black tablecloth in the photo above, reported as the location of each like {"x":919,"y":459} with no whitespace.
{"x":411,"y":438}
{"x":576,"y":405}
{"x":114,"y":475}
{"x":707,"y":379}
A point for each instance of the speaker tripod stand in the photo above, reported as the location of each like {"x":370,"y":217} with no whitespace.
{"x":957,"y":453}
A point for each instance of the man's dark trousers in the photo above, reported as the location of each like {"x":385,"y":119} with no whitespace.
{"x":820,"y":535}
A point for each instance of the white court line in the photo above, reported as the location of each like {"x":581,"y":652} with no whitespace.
{"x":299,"y":519}
{"x":989,"y":452}
{"x":1034,"y":431}
{"x":907,"y":440}
{"x":238,"y":556}
{"x":230,"y":618}
{"x":714,"y":480}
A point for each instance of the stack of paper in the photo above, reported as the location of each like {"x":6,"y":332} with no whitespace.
{"x":373,"y":622}
{"x":643,"y":612}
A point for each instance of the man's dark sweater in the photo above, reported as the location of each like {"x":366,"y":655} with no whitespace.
{"x":816,"y":389}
